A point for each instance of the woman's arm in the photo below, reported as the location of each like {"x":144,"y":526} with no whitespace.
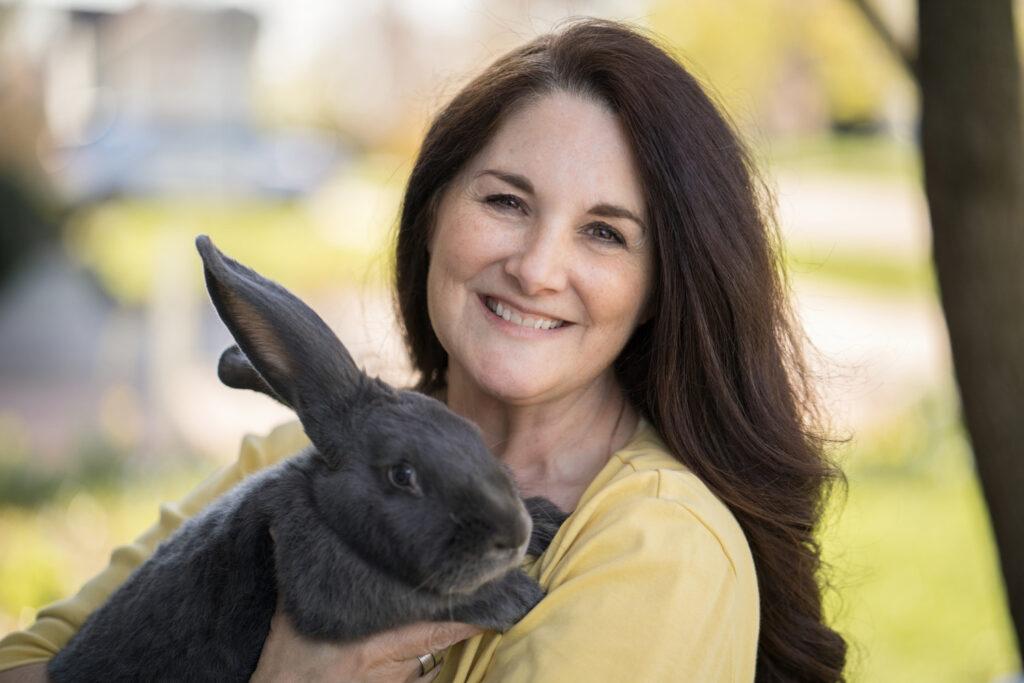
{"x":56,"y":623}
{"x":646,"y":592}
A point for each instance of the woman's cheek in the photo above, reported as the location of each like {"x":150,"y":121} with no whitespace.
{"x":616,"y":294}
{"x":472,"y":239}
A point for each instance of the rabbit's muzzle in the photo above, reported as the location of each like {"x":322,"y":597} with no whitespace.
{"x":487,"y":549}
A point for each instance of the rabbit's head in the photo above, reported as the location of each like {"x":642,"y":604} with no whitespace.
{"x":402,"y":480}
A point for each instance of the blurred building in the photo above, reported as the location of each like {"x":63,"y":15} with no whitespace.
{"x":157,"y":100}
{"x":138,"y":101}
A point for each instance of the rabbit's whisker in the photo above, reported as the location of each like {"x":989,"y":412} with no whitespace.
{"x":417,"y":588}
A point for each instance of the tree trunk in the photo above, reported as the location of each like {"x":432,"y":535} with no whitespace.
{"x":973,"y":148}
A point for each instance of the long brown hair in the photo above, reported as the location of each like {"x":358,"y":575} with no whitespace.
{"x":718,"y":369}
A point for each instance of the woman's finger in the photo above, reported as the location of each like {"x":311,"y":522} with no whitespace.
{"x":431,"y":675}
{"x":405,"y":644}
{"x":408,"y":642}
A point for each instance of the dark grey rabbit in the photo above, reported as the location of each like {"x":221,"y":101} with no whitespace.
{"x":397,"y":513}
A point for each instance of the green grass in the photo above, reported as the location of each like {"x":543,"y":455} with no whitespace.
{"x":919,"y":595}
{"x":135,"y":247}
{"x":52,"y":546}
{"x":878,"y":156}
{"x":27,"y":483}
{"x":869,"y":271}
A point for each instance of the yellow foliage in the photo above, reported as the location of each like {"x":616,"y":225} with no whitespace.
{"x":850,"y":62}
{"x":744,"y":49}
{"x":733,"y":48}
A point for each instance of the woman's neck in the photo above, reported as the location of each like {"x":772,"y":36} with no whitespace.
{"x":554,"y":448}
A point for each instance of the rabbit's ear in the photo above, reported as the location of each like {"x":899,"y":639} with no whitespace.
{"x":234,"y":370}
{"x":291,"y":349}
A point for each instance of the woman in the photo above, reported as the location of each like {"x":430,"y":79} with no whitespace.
{"x":586,"y":270}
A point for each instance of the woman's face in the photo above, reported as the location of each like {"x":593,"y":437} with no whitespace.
{"x":540,"y":264}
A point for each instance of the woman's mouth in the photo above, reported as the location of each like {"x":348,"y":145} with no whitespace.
{"x":509,"y":314}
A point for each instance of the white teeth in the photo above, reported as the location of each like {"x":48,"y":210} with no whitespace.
{"x":513,"y":316}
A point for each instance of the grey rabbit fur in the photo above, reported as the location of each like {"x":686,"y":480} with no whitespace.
{"x":396,"y":513}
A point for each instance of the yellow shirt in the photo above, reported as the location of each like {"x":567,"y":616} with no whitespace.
{"x":649,"y":579}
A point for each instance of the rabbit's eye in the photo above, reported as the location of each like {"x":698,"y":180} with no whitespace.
{"x":403,"y":476}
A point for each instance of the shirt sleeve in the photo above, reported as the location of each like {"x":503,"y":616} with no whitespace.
{"x":56,"y":623}
{"x":647,"y":593}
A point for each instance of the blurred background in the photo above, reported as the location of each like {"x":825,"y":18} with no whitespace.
{"x":286,"y":132}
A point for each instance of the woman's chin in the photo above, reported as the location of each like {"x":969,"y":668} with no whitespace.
{"x":517,"y":385}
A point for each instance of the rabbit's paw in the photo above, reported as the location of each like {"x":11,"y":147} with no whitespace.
{"x":547,"y":518}
{"x":501,"y":603}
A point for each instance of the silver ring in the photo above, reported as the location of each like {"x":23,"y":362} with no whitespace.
{"x":428,"y":663}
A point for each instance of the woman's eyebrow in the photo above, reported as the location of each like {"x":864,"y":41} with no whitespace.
{"x":514,"y":179}
{"x":613,"y":211}
{"x":522,"y":183}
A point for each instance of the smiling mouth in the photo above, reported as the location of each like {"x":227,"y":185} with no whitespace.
{"x":516,"y":317}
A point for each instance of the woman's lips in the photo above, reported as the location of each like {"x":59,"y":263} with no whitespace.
{"x":520,"y":318}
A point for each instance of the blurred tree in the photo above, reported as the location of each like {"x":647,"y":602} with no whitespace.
{"x":735,"y":48}
{"x":28,"y":216}
{"x":858,"y":81}
{"x":792,"y":66}
{"x":972,"y":144}
{"x":25,"y":223}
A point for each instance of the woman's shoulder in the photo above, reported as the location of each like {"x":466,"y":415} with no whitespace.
{"x":645,"y":497}
{"x":647,"y":465}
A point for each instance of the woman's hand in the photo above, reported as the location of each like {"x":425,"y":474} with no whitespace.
{"x":30,"y":673}
{"x":388,"y":657}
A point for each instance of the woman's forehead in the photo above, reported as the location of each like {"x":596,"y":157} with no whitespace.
{"x":567,"y":144}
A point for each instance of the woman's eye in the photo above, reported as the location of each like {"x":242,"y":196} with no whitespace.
{"x":606,"y":233}
{"x":505,"y":201}
{"x":402,"y":475}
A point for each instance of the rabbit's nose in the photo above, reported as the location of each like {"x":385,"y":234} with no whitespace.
{"x":511,"y":537}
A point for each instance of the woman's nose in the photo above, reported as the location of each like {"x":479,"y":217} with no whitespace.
{"x":541,"y":261}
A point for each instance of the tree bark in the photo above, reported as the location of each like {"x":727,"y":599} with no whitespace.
{"x":973,"y":150}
